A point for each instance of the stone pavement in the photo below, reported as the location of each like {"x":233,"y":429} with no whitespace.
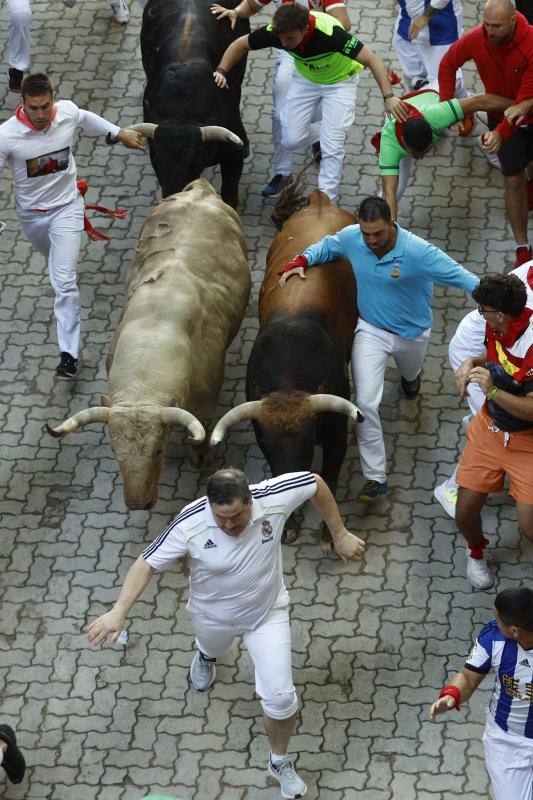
{"x":372,"y":642}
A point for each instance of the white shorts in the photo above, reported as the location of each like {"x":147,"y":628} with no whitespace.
{"x":269,"y":646}
{"x":509,"y":760}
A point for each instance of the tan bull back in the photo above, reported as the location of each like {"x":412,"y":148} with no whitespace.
{"x":185,"y":301}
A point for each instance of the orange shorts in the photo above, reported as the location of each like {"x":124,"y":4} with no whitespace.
{"x":491,"y":454}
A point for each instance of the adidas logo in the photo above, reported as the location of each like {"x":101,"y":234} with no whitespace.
{"x":524,"y":663}
{"x":209,"y":545}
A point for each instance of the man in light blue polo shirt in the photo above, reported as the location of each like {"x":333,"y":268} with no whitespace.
{"x":395,"y":272}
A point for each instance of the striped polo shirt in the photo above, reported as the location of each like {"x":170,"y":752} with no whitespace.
{"x":511,"y":703}
{"x":234,"y":580}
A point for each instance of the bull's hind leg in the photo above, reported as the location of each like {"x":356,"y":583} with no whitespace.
{"x":333,"y":440}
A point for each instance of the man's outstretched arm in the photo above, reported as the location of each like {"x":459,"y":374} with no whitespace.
{"x":136,"y":581}
{"x":233,"y":54}
{"x":348,"y":546}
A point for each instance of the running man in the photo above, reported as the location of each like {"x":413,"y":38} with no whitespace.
{"x":232,"y":537}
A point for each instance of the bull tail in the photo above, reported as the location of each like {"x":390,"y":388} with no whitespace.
{"x":292,"y":198}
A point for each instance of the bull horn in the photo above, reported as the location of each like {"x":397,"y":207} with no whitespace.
{"x":211,"y":133}
{"x":331,"y":402}
{"x":250,"y":410}
{"x":146,"y":129}
{"x":94,"y":414}
{"x":178,"y":416}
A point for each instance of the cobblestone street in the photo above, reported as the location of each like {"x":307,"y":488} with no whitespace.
{"x":374,"y":642}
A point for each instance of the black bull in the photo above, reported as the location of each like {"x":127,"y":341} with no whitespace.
{"x":182,"y":42}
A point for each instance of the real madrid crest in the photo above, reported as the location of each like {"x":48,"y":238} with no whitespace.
{"x":266,"y":531}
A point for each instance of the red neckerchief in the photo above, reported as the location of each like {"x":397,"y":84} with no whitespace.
{"x":23,"y":117}
{"x":312,"y":25}
{"x":93,"y":233}
{"x":414,"y":113}
{"x":530,"y":277}
{"x":515,"y":330}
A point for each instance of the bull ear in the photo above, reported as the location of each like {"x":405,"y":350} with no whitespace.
{"x":94,"y":414}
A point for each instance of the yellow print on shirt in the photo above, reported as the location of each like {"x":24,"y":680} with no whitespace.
{"x":510,"y":368}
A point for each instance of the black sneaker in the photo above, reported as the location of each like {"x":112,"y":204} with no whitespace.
{"x":274,"y":188}
{"x":411,"y":388}
{"x":15,"y":79}
{"x":372,"y":491}
{"x":67,"y":367}
{"x":13,"y":761}
{"x":317,"y":152}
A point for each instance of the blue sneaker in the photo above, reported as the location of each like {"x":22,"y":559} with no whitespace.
{"x":372,"y":491}
{"x":276,"y":185}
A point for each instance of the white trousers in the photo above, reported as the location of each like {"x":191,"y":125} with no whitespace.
{"x":284,"y":73}
{"x":370,"y":352}
{"x":269,"y":646}
{"x":422,"y":61}
{"x":468,"y":341}
{"x":334,"y":105}
{"x":509,"y":760}
{"x":56,"y":235}
{"x":19,"y":33}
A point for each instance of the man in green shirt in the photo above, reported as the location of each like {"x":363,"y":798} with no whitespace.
{"x":401,"y":142}
{"x":327,"y":61}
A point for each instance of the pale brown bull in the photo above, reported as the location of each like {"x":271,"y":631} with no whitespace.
{"x":186,"y":298}
{"x":297,"y":370}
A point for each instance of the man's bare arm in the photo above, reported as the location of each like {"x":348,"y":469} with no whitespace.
{"x":135,"y":583}
{"x":348,"y":546}
{"x":389,"y":184}
{"x":467,"y":681}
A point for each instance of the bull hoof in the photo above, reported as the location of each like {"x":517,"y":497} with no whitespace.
{"x":201,"y":455}
{"x":326,"y":544}
{"x":290,"y":535}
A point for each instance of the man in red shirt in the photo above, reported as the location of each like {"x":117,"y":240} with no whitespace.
{"x":502,"y":49}
{"x":500,"y":437}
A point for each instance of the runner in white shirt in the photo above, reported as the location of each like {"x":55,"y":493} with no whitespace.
{"x":469,"y":341}
{"x":36,"y":144}
{"x":19,"y":41}
{"x":233,"y":540}
{"x":284,"y":72}
{"x":505,"y":645}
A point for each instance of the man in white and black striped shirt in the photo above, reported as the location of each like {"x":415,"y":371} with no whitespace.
{"x":233,"y":539}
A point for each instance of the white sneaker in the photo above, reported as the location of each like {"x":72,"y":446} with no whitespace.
{"x":447,"y":497}
{"x":478,"y":572}
{"x":121,"y":12}
{"x":202,"y":673}
{"x":492,"y":158}
{"x":290,"y":782}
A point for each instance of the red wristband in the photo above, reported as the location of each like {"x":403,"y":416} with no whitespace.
{"x":296,"y":263}
{"x":452,"y":691}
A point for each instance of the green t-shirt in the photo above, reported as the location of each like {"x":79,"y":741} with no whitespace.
{"x":439,"y":115}
{"x":327,"y":55}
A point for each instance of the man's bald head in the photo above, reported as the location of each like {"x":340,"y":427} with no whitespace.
{"x":499,"y":21}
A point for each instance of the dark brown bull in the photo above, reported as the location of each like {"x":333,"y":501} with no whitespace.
{"x":297,"y":379}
